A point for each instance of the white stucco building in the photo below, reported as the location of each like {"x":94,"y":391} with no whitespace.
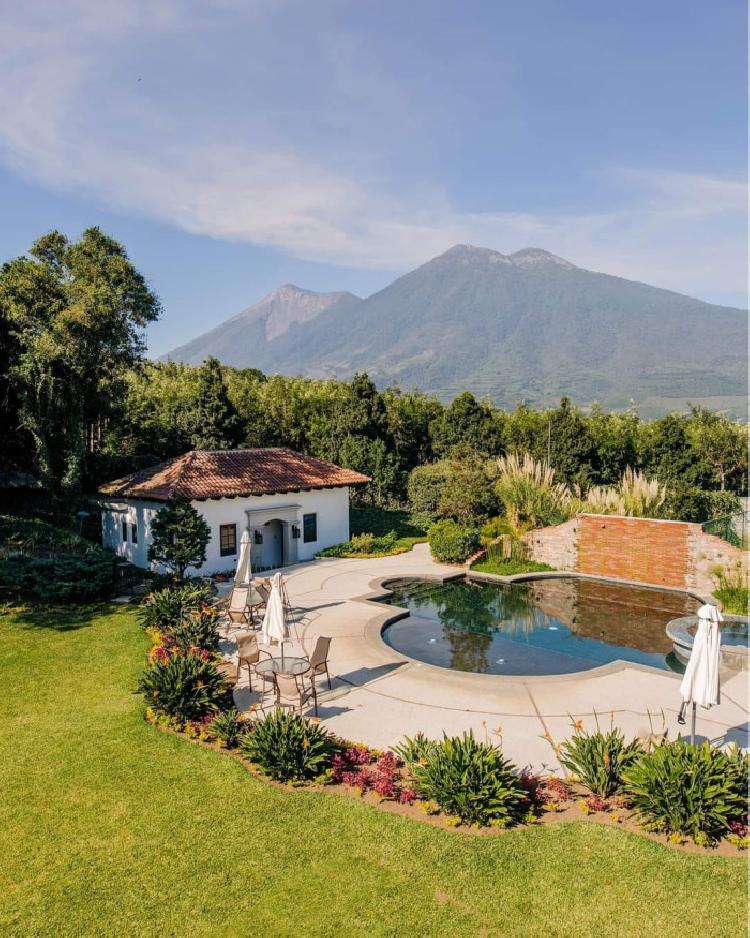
{"x":292,"y":505}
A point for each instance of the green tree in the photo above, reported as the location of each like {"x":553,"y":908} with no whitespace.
{"x":180,"y":536}
{"x":466,"y":422}
{"x":215,"y":421}
{"x":469,"y":493}
{"x":571,"y":448}
{"x":722,"y":446}
{"x":75,"y":314}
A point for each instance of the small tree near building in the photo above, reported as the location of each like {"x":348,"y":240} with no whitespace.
{"x":180,"y":536}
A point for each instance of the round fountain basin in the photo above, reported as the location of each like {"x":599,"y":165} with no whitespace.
{"x":735,"y":653}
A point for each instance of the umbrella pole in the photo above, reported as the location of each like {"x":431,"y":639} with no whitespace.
{"x":692,"y":726}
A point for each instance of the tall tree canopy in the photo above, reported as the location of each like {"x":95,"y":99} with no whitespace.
{"x":215,"y":421}
{"x":74,"y":314}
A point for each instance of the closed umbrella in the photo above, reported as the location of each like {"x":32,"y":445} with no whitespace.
{"x":244,"y":571}
{"x":700,"y":683}
{"x":274,"y":621}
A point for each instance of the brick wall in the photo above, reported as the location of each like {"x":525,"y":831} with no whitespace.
{"x":644,"y":550}
{"x":640,"y":549}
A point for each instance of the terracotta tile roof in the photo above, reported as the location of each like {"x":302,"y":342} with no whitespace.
{"x":230,"y":473}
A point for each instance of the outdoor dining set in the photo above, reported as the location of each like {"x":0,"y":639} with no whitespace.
{"x":259,"y":614}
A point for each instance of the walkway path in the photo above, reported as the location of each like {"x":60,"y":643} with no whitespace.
{"x":378,"y":696}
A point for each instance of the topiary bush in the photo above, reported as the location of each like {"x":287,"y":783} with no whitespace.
{"x":184,"y":686}
{"x":471,"y":781}
{"x":451,"y":542}
{"x":599,"y":759}
{"x":287,"y":747}
{"x":65,"y":578}
{"x":688,"y":790}
{"x":167,"y":607}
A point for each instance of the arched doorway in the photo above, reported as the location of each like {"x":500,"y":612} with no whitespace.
{"x":268,"y":546}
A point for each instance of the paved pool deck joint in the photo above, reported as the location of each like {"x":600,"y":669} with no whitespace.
{"x":379,"y":695}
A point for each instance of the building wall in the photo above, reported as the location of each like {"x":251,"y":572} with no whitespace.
{"x":132,"y":511}
{"x":330,"y":505}
{"x":644,"y":550}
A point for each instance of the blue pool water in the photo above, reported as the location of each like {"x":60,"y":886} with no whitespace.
{"x":554,"y":625}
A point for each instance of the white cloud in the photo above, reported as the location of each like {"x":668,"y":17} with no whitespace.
{"x":66,"y":126}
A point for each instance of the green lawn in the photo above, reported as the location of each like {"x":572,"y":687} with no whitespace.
{"x":108,"y":827}
{"x":380,"y":521}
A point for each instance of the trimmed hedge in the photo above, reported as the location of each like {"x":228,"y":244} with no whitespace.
{"x":451,"y":542}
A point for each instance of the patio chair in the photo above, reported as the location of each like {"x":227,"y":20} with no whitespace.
{"x":319,"y":660}
{"x":262,"y":593}
{"x":237,"y":607}
{"x":249,"y":654}
{"x":292,"y":693}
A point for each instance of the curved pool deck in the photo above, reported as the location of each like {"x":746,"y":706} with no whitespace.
{"x":379,"y":695}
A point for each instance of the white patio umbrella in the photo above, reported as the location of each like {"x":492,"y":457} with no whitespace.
{"x":244,"y":571}
{"x":700,"y":683}
{"x":274,"y":626}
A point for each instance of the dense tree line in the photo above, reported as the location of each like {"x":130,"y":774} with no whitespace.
{"x":80,"y":404}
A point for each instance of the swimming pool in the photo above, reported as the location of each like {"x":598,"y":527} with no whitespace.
{"x":555,"y":625}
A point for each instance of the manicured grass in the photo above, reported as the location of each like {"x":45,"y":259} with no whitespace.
{"x":379,"y":521}
{"x":109,"y":827}
{"x":509,"y":567}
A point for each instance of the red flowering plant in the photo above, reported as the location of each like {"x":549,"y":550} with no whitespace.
{"x":360,"y":768}
{"x":347,"y":764}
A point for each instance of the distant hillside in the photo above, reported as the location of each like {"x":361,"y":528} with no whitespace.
{"x":251,"y":338}
{"x":523,"y":327}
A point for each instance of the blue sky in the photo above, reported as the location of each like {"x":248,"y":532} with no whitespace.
{"x":234,"y":146}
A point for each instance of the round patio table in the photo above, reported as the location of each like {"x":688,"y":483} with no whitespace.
{"x":286,"y":664}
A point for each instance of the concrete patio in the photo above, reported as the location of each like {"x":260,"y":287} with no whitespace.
{"x":378,"y":696}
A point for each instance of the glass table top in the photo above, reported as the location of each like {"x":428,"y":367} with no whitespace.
{"x":285,"y":664}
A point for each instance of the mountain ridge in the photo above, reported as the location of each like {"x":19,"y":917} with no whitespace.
{"x":528,"y":326}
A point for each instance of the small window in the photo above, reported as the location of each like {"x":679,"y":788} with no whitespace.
{"x":227,"y":539}
{"x":134,"y":533}
{"x":309,"y":528}
{"x":124,"y":532}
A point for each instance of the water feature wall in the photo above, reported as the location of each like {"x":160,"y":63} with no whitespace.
{"x":642,"y":550}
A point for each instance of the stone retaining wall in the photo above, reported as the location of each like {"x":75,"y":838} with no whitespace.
{"x":645,"y":550}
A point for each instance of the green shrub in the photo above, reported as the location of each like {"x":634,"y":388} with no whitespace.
{"x":694,"y":791}
{"x":425,"y":490}
{"x":494,"y":528}
{"x":451,"y":542}
{"x":599,"y":759}
{"x":414,"y":749}
{"x":364,"y":545}
{"x":185,"y":687}
{"x":470,"y":780}
{"x":36,"y":536}
{"x":228,"y":727}
{"x":65,"y":578}
{"x":199,"y":629}
{"x":732,"y":591}
{"x":165,"y":608}
{"x":287,"y":747}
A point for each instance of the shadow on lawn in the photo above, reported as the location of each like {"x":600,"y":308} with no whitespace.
{"x":62,"y":618}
